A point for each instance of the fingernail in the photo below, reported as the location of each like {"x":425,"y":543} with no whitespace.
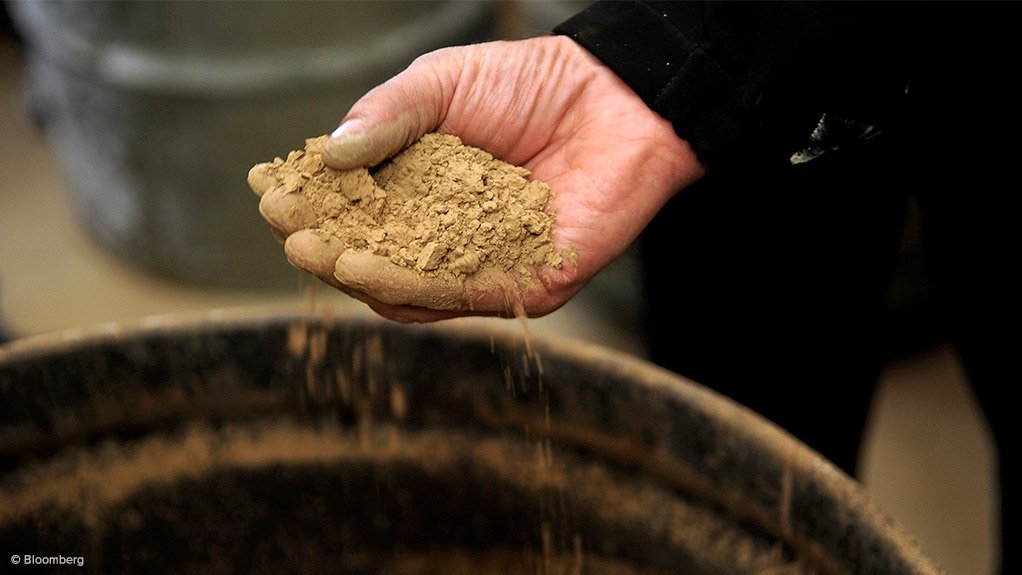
{"x":348,"y":146}
{"x":260,"y":179}
{"x":349,"y":127}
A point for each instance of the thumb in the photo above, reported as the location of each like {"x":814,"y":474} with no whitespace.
{"x":392,"y":116}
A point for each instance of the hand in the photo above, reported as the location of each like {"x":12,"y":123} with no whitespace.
{"x":543,"y":103}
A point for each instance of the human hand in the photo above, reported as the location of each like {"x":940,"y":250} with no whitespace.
{"x":543,"y":103}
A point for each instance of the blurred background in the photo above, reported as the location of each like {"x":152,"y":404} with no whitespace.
{"x":126,"y":132}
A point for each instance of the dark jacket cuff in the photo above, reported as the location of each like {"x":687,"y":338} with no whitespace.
{"x":670,"y":72}
{"x":762,"y":81}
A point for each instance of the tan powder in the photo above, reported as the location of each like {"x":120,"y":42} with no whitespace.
{"x":440,"y":207}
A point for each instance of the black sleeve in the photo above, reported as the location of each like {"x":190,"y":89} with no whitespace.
{"x":785,"y":81}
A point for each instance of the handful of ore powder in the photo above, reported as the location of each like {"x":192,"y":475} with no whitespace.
{"x":440,"y":207}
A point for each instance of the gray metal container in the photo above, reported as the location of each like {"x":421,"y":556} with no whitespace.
{"x":156,"y":110}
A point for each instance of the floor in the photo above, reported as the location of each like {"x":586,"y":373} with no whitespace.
{"x":929,"y":460}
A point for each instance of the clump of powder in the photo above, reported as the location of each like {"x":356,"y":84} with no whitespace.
{"x":440,"y":207}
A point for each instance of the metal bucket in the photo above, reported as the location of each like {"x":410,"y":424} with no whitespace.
{"x":304,"y":443}
{"x":156,"y":110}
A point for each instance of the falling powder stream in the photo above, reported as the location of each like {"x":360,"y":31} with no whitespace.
{"x":444,"y":210}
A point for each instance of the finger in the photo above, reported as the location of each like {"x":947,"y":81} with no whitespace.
{"x":392,"y":116}
{"x":287,"y":212}
{"x":376,"y":276}
{"x":315,"y":252}
{"x":411,"y":314}
{"x":260,"y":179}
{"x":395,"y":285}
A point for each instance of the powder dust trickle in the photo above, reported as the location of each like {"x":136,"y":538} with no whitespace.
{"x":447,"y":211}
{"x":441,"y":208}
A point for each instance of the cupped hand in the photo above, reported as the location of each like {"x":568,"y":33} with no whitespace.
{"x":544,"y":103}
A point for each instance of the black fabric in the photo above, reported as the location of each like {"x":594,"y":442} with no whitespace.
{"x":769,"y":286}
{"x":785,"y":268}
{"x":749,"y":77}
